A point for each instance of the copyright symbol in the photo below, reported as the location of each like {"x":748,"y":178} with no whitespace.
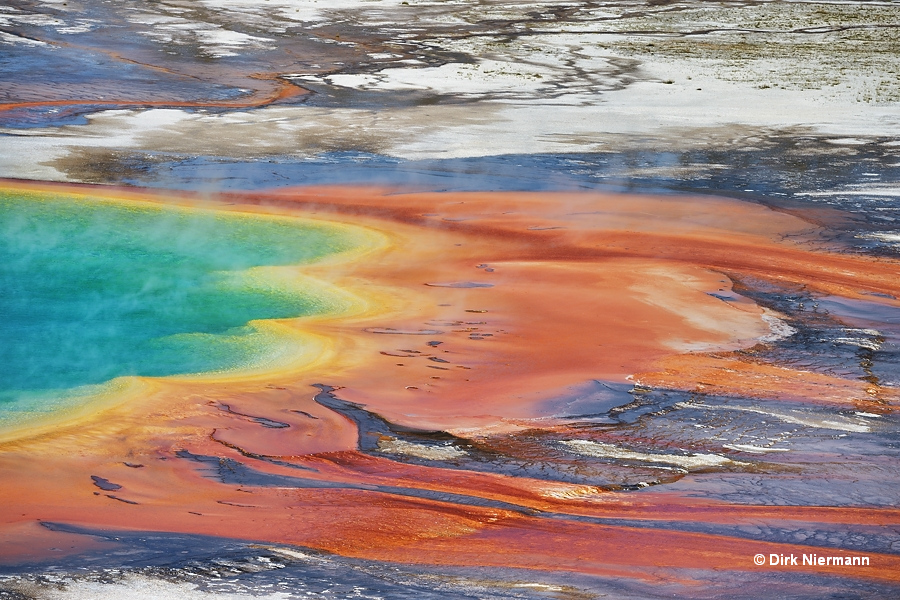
{"x":759,"y":559}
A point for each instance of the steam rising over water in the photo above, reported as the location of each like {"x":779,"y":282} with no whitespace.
{"x":94,"y":290}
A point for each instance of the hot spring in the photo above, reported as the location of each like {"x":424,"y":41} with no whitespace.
{"x":93,"y":289}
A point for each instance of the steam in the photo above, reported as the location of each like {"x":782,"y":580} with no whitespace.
{"x":93,"y":290}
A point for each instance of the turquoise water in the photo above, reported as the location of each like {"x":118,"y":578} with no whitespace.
{"x":92,"y":290}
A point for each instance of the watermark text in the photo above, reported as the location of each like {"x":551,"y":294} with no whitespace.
{"x":810,"y":560}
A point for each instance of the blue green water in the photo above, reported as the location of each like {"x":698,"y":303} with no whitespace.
{"x":91,"y":290}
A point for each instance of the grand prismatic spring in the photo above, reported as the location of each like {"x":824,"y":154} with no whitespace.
{"x":476,"y":299}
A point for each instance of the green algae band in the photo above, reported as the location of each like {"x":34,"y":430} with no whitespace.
{"x":92,"y":289}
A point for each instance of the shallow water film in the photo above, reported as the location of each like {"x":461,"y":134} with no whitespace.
{"x":420,"y":299}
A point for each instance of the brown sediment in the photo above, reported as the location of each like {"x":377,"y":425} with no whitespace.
{"x":583,"y":287}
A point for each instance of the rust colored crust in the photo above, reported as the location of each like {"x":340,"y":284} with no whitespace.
{"x":375,"y":525}
{"x":583,"y":287}
{"x":731,"y":374}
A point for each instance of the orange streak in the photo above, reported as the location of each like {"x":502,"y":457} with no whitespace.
{"x":585,"y":286}
{"x":284,"y":91}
